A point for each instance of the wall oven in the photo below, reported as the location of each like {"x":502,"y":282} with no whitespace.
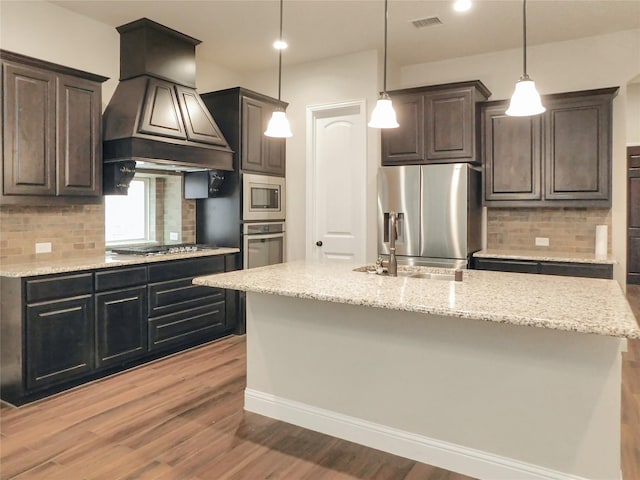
{"x":263,"y":244}
{"x":263,"y":197}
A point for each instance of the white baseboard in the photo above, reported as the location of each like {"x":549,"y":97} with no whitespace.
{"x":449,"y":456}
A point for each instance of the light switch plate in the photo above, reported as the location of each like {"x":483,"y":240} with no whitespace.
{"x":173,"y":236}
{"x":43,"y":247}
{"x":542,"y":241}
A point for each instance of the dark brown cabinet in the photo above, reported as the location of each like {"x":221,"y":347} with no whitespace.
{"x":63,"y":330}
{"x":561,"y":158}
{"x":121,"y":315}
{"x":243,"y":116}
{"x":59,"y":329}
{"x":51,"y":133}
{"x":633,"y":215}
{"x":437,"y":124}
{"x":179,"y":311}
{"x":571,"y":269}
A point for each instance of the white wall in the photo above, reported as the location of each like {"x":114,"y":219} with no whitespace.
{"x":332,"y":80}
{"x":48,"y":32}
{"x":633,"y":113}
{"x":594,"y":62}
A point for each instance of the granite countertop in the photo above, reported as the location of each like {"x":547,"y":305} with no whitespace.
{"x":91,"y":262}
{"x":584,"y":305}
{"x":545,"y":256}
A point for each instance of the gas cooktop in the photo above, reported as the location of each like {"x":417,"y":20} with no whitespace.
{"x":163,"y":249}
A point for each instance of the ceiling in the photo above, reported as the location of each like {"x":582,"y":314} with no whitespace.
{"x":237,"y":34}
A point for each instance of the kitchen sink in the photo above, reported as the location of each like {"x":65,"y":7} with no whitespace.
{"x":423,"y":273}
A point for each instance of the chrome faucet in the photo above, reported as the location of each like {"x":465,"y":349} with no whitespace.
{"x":392,"y":269}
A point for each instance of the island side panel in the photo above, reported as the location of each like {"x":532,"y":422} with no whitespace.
{"x":539,"y":398}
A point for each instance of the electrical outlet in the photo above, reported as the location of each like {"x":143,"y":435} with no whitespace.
{"x":43,"y":247}
{"x":542,"y":241}
{"x":173,"y":236}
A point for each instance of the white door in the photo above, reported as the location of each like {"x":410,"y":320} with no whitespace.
{"x":336,"y":182}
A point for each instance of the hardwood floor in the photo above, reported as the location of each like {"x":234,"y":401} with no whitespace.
{"x":181,"y":418}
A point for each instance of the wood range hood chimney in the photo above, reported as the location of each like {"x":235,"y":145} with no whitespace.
{"x":155,"y":115}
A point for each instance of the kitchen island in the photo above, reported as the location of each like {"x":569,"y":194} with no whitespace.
{"x":501,"y":376}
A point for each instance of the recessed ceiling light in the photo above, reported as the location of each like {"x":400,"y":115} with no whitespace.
{"x":462,"y":5}
{"x":280,"y":45}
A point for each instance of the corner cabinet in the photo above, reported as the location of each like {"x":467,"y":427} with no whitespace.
{"x":63,"y":330}
{"x":243,"y":116}
{"x":51,"y":133}
{"x":561,"y":158}
{"x":437,"y":124}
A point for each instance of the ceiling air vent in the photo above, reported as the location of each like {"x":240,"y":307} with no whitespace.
{"x":426,"y":22}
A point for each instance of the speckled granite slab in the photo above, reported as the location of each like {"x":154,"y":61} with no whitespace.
{"x":47,"y":267}
{"x":574,"y":304}
{"x":544,"y":256}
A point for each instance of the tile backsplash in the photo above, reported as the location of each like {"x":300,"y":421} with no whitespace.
{"x":568,"y":229}
{"x":79,"y":229}
{"x":72,"y":231}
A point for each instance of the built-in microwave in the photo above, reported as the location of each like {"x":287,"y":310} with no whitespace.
{"x":263,"y":197}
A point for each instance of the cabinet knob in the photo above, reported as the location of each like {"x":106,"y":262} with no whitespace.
{"x":319,"y":243}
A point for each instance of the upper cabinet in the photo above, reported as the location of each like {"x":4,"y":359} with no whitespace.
{"x":437,"y":124}
{"x":561,"y":158}
{"x":243,"y":116}
{"x":51,"y":133}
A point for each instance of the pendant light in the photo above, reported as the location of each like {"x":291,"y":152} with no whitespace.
{"x":525,"y":100}
{"x":279,"y":124}
{"x":383,"y":115}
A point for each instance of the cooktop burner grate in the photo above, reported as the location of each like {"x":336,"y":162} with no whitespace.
{"x":163,"y":249}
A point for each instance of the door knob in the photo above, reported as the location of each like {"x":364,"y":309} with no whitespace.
{"x":319,"y":243}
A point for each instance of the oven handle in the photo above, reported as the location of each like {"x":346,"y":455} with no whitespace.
{"x":260,"y":236}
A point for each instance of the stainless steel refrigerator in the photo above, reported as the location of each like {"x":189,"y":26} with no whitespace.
{"x":439,"y":213}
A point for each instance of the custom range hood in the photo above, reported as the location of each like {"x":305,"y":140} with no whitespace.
{"x":155,"y":115}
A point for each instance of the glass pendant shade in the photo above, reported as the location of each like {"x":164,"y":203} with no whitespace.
{"x":525,"y":100}
{"x":383,"y":115}
{"x":278,"y":125}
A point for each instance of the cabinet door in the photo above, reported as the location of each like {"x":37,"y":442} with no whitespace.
{"x":511,"y":155}
{"x":275,"y":155}
{"x":450,"y":125}
{"x":253,"y":139}
{"x":79,"y":117}
{"x":28,"y":131}
{"x":633,"y":215}
{"x":578,"y":146}
{"x":121,"y":322}
{"x":60,"y":342}
{"x":405,"y":144}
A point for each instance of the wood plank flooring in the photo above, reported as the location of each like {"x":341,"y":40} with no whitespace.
{"x":181,"y":418}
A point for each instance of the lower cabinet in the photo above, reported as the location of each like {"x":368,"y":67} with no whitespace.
{"x":59,"y":341}
{"x":570,"y":269}
{"x":121,"y":325}
{"x":58,"y":331}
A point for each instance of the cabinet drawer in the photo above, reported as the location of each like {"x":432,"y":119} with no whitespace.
{"x":176,"y":295}
{"x":63,"y":286}
{"x":186,"y":326}
{"x":519,"y":266}
{"x":120,"y":278}
{"x":194,"y":267}
{"x":577,"y":269}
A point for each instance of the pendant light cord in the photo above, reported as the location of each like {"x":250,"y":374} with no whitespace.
{"x":280,"y":54}
{"x":386,"y":15}
{"x":524,"y":37}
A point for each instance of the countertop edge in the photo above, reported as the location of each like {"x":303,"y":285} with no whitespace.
{"x":96,"y":262}
{"x":611,"y":331}
{"x":565,"y":257}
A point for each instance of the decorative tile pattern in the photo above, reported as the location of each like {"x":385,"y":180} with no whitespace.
{"x":573,"y":304}
{"x":103,"y":260}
